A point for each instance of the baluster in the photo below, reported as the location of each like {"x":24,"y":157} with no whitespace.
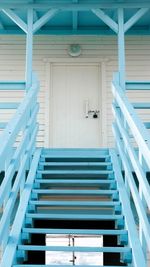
{"x":5,"y":235}
{"x":141,"y":234}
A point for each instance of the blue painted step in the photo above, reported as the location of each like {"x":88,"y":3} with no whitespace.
{"x":74,"y":165}
{"x":75,"y":173}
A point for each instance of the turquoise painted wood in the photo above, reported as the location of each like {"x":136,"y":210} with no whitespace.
{"x":16,"y":159}
{"x":12,"y":85}
{"x":31,"y":207}
{"x":75,"y":173}
{"x":74,"y":17}
{"x":126,"y":122}
{"x":75,"y":184}
{"x":29,"y":48}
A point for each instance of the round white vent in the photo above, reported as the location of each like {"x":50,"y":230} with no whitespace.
{"x":74,"y":50}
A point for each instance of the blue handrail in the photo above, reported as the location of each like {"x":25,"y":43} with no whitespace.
{"x":17,"y":146}
{"x":127,"y":128}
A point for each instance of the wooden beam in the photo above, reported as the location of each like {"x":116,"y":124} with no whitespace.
{"x":81,"y":6}
{"x":1,"y":24}
{"x":121,"y":48}
{"x":44,"y":19}
{"x":75,"y":17}
{"x":16,"y":19}
{"x":106,"y":19}
{"x":140,"y":13}
{"x":29,"y":49}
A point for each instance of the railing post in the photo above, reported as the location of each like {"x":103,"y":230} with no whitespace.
{"x":141,"y":234}
{"x":29,"y":49}
{"x":121,"y":48}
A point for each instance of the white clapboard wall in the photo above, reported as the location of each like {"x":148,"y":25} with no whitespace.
{"x":12,"y":67}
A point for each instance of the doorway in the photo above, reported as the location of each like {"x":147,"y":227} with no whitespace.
{"x":75,"y":112}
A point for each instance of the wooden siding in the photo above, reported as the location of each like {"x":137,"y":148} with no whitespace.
{"x":12,"y":66}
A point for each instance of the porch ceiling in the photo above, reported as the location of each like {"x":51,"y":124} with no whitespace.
{"x":74,"y":16}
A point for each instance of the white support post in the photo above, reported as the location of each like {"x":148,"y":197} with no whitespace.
{"x":29,"y":49}
{"x":121,"y":48}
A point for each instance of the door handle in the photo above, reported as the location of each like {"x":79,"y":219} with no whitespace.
{"x":94,"y":113}
{"x":89,"y":112}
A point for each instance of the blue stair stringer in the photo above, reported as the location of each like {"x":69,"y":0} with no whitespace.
{"x":74,"y":185}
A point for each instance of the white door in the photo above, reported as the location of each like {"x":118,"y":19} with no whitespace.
{"x":74,"y":105}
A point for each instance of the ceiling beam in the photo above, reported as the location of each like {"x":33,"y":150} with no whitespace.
{"x":75,"y":17}
{"x":135,"y":30}
{"x":72,"y":6}
{"x":140,"y":13}
{"x":16,"y":19}
{"x":1,"y":24}
{"x":106,"y":19}
{"x":36,"y":17}
{"x":44,"y":19}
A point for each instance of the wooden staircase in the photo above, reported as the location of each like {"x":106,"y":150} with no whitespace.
{"x":75,"y":192}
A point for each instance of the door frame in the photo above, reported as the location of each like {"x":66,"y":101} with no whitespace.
{"x":48,"y":92}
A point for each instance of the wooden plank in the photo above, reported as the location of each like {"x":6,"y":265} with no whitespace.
{"x":75,"y":203}
{"x":75,"y":249}
{"x":74,"y":216}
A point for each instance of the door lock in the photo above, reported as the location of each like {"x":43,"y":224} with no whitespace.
{"x":94,"y":113}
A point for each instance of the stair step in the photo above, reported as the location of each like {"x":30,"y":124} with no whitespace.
{"x":76,"y":216}
{"x":75,"y":164}
{"x":65,"y":176}
{"x":75,"y":192}
{"x":75,"y":249}
{"x":75,"y":203}
{"x":75,"y":151}
{"x":75,"y":158}
{"x":74,"y":231}
{"x":77,"y":172}
{"x":75,"y":182}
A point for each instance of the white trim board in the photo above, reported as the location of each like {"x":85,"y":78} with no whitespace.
{"x":48,"y":92}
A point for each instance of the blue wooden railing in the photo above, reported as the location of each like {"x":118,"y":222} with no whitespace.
{"x":133,"y":146}
{"x":16,"y":154}
{"x":10,"y":88}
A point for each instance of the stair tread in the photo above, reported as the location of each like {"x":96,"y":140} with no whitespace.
{"x":74,"y":203}
{"x":74,"y":192}
{"x":86,"y":164}
{"x":74,"y":216}
{"x":75,"y":231}
{"x":67,"y":181}
{"x":75,"y":249}
{"x":75,"y":171}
